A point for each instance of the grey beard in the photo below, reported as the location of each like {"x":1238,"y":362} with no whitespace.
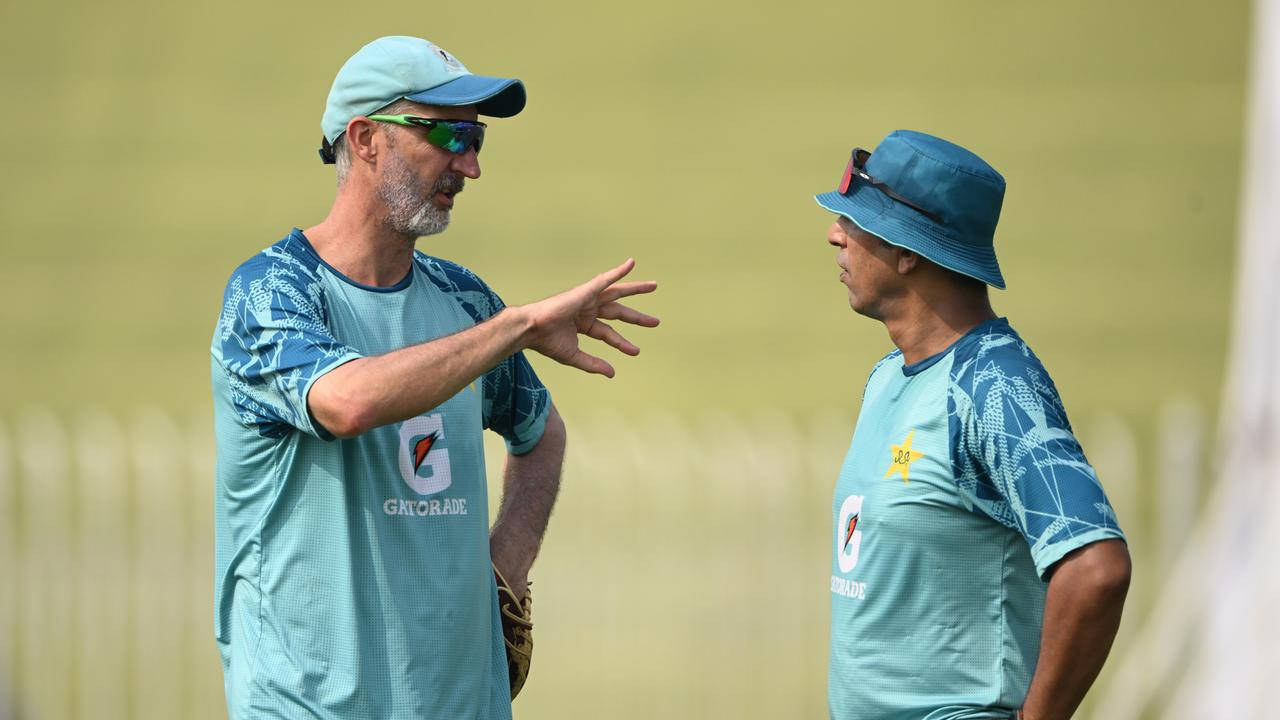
{"x":410,"y":210}
{"x":426,"y":220}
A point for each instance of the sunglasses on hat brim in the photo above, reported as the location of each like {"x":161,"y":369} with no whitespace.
{"x":857,"y":168}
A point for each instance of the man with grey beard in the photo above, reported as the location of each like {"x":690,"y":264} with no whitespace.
{"x":353,"y":376}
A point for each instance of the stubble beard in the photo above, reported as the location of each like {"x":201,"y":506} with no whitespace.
{"x":410,"y":208}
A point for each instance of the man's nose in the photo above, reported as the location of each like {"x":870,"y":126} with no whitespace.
{"x":467,"y":164}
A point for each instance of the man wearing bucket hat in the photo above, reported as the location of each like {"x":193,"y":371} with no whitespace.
{"x":353,"y":377}
{"x":978,"y":569}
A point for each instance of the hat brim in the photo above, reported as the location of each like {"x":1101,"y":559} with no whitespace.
{"x":495,"y":97}
{"x":878,"y":214}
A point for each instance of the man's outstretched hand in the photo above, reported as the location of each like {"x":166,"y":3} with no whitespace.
{"x":556,"y":322}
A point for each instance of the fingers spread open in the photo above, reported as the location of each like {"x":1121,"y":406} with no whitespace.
{"x":609,"y":277}
{"x":622,"y":290}
{"x":590,"y":363}
{"x":618,"y":311}
{"x":601,"y":331}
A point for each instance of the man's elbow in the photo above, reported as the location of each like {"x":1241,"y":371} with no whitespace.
{"x":348,"y":424}
{"x":342,"y":417}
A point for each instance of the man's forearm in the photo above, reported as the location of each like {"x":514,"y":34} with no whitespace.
{"x":377,"y":390}
{"x":530,"y":485}
{"x":1081,"y":616}
{"x":374,"y":391}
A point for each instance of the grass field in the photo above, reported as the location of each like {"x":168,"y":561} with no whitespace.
{"x":152,"y":147}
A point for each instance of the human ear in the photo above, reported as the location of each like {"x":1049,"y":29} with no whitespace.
{"x":360,"y":139}
{"x":907,"y":261}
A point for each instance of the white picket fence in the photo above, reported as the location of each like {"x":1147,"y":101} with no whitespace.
{"x":683,"y":576}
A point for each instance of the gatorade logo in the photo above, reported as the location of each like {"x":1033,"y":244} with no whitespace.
{"x":424,"y":461}
{"x":848,"y":536}
{"x":422,"y":448}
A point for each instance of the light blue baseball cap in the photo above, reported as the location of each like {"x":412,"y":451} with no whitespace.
{"x":395,"y":67}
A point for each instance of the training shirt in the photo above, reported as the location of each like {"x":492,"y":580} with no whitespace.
{"x":353,"y":576}
{"x":963,"y":485}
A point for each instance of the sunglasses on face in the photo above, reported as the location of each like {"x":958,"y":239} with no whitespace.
{"x":856,"y":168}
{"x":456,"y":136}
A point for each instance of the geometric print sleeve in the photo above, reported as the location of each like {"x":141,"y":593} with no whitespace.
{"x":515,"y":402}
{"x":272,"y":343}
{"x":1015,"y":457}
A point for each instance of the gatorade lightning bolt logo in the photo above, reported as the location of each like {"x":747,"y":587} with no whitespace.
{"x":848,"y":533}
{"x":848,"y":538}
{"x":423,"y":455}
{"x":422,"y":448}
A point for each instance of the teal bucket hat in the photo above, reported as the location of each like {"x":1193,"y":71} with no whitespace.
{"x":927,"y":195}
{"x":400,"y":67}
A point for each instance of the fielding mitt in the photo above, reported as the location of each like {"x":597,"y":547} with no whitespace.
{"x":517,"y":631}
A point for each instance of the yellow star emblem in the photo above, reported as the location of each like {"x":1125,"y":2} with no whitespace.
{"x":903,"y":456}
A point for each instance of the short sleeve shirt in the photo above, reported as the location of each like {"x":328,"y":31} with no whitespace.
{"x":353,"y":576}
{"x":962,"y":487}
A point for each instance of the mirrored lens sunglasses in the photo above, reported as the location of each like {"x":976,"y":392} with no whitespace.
{"x":857,"y":168}
{"x":456,"y":136}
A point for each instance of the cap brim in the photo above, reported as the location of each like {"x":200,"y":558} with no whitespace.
{"x":874,"y":213}
{"x":495,"y":97}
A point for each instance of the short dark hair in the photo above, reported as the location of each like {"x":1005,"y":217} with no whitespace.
{"x":971,"y":284}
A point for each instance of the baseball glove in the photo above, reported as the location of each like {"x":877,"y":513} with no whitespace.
{"x":517,"y":631}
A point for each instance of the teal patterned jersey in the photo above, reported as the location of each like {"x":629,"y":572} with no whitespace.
{"x":353,"y":576}
{"x":962,"y":487}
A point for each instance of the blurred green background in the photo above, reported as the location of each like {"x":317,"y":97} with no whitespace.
{"x":151,"y":147}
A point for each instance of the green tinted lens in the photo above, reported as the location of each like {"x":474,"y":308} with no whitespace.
{"x":456,"y":136}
